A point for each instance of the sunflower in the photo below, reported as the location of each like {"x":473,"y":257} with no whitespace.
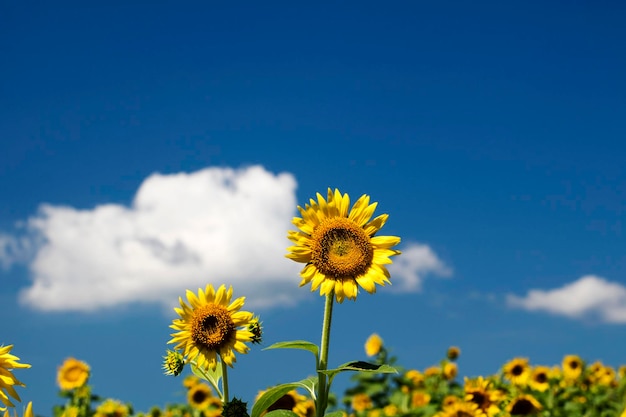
{"x":453,"y":353}
{"x":8,"y":381}
{"x":524,"y":405}
{"x":112,"y":408}
{"x":28,"y":412}
{"x":361,"y":402}
{"x":572,"y":367}
{"x":450,"y":370}
{"x":199,"y":396}
{"x":517,"y":371}
{"x":72,"y":374}
{"x":338,"y":245}
{"x":214,"y":407}
{"x":480,"y":392}
{"x":420,"y":398}
{"x":210,"y":326}
{"x":461,"y":409}
{"x":540,"y":378}
{"x":373,"y":344}
{"x":292,"y":401}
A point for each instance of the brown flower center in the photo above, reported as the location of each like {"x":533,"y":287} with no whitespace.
{"x":341,"y":249}
{"x":212,"y":327}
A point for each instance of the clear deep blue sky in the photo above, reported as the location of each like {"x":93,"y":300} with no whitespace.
{"x":492,"y":133}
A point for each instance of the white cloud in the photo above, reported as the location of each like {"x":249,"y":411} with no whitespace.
{"x":13,"y":250}
{"x":182,"y":231}
{"x":409,"y":269}
{"x":590,"y":295}
{"x":216,"y":225}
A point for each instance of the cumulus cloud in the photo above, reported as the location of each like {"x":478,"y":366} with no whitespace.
{"x":589,"y":296}
{"x":413,"y":265}
{"x":182,"y":231}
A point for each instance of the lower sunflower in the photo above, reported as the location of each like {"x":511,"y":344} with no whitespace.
{"x":210,"y":326}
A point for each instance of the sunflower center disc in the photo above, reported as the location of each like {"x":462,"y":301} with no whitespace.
{"x":212,"y":326}
{"x":341,"y":249}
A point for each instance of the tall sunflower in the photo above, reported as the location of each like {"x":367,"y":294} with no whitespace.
{"x":338,"y":245}
{"x":211,"y":325}
{"x":8,"y":381}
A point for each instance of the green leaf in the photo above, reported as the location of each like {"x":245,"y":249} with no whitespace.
{"x":360,"y":366}
{"x":273,"y":394}
{"x":281,"y":413}
{"x":209,"y":375}
{"x":334,"y":414}
{"x":297,"y":344}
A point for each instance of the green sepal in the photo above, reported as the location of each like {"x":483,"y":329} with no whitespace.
{"x":297,"y":344}
{"x":272,"y":395}
{"x":213,"y":376}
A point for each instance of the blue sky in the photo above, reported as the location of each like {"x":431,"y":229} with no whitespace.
{"x":150,"y":148}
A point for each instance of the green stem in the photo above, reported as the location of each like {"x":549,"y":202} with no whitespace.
{"x":224,"y":382}
{"x":323,"y":389}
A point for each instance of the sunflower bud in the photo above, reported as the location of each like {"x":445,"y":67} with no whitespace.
{"x":256,"y":328}
{"x":173,"y":363}
{"x":235,"y":408}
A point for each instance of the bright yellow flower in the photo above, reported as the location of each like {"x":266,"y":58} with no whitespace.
{"x":415,"y":377}
{"x":190,"y":381}
{"x":71,"y":411}
{"x":338,"y":245}
{"x":572,"y":367}
{"x":461,"y":409}
{"x":517,"y":371}
{"x":450,"y":370}
{"x":432,"y":371}
{"x":8,"y":381}
{"x":28,"y":412}
{"x":214,"y":408}
{"x":361,"y":402}
{"x":419,"y":398}
{"x":199,"y":396}
{"x":524,"y":405}
{"x":480,"y":392}
{"x":211,"y":325}
{"x":72,"y":374}
{"x":448,"y":400}
{"x":112,"y":408}
{"x":292,"y":401}
{"x":539,"y":378}
{"x":390,"y":410}
{"x":373,"y":345}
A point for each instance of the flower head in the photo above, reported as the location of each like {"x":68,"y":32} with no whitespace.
{"x":112,"y":408}
{"x":373,"y":345}
{"x":210,"y":326}
{"x":453,"y":353}
{"x":8,"y":381}
{"x":199,"y":396}
{"x":523,"y":405}
{"x":338,"y":245}
{"x":517,"y":371}
{"x":173,"y":363}
{"x":72,"y":374}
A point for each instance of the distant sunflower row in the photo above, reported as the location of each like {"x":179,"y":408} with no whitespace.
{"x":572,"y":388}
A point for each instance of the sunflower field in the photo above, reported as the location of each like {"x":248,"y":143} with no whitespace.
{"x":342,"y":254}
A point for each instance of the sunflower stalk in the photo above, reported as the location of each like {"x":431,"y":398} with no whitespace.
{"x":224,"y":382}
{"x":324,"y":384}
